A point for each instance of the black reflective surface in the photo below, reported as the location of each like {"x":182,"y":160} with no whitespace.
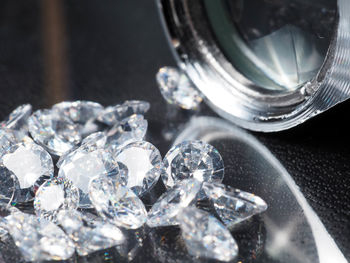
{"x":109,"y":52}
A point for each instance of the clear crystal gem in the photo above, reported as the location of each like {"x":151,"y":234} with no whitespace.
{"x":53,"y":196}
{"x":5,"y":210}
{"x":89,"y":237}
{"x":38,"y":240}
{"x":177,"y":89}
{"x":128,"y":130}
{"x":30,"y":164}
{"x":205,"y":236}
{"x":82,"y":165}
{"x":169,"y":204}
{"x":9,"y":138}
{"x":233,"y":205}
{"x":17,"y":120}
{"x":8,"y":185}
{"x":113,"y":114}
{"x":192,"y":159}
{"x":117,"y":203}
{"x":57,"y":133}
{"x":82,"y":113}
{"x":143,"y":164}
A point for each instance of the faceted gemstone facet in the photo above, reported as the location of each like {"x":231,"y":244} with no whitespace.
{"x":30,"y":164}
{"x":205,"y":236}
{"x":89,"y":237}
{"x":128,"y":130}
{"x":117,"y":203}
{"x":8,"y":185}
{"x":82,"y":165}
{"x":143,"y":164}
{"x":192,"y":159}
{"x":113,"y":114}
{"x":177,"y":89}
{"x":9,"y":138}
{"x":38,"y":240}
{"x":233,"y":205}
{"x":169,"y":204}
{"x":82,"y":113}
{"x":17,"y":120}
{"x":53,"y":196}
{"x":57,"y":133}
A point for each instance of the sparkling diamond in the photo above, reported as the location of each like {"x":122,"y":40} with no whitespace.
{"x":143,"y":164}
{"x":17,"y":120}
{"x":57,"y":133}
{"x":82,"y":113}
{"x":165,"y":210}
{"x":38,"y":240}
{"x":117,"y":203}
{"x":5,"y":210}
{"x":53,"y":196}
{"x":113,"y":114}
{"x":30,"y":164}
{"x":233,"y":205}
{"x":89,"y":238}
{"x":82,"y":165}
{"x":9,"y":138}
{"x":7,"y":186}
{"x":205,"y":236}
{"x":192,"y":159}
{"x":130,"y":129}
{"x":177,"y":89}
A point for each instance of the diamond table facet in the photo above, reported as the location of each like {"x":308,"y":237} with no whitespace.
{"x":53,"y":196}
{"x":143,"y":164}
{"x":177,"y":89}
{"x":117,"y":203}
{"x":168,"y":206}
{"x":114,"y":114}
{"x":57,"y":133}
{"x":205,"y":236}
{"x":233,"y":205}
{"x":29,"y":164}
{"x":192,"y":159}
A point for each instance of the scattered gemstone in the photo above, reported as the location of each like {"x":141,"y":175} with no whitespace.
{"x":83,"y":113}
{"x":205,"y":236}
{"x":114,"y":114}
{"x":5,"y":210}
{"x":143,"y":164}
{"x":89,"y":238}
{"x":9,"y":138}
{"x":117,"y":203}
{"x":38,"y":240}
{"x":192,"y":159}
{"x":53,"y":196}
{"x":168,"y":206}
{"x":177,"y":89}
{"x":233,"y":205}
{"x":30,"y":164}
{"x":57,"y":133}
{"x":17,"y":120}
{"x":8,"y":185}
{"x":82,"y":165}
{"x":128,"y":130}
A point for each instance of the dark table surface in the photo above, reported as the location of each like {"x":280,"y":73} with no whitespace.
{"x":109,"y":51}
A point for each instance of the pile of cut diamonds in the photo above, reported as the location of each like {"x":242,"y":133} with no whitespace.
{"x":104,"y":166}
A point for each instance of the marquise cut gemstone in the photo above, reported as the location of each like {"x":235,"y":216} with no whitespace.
{"x":177,"y":89}
{"x":143,"y":165}
{"x":192,"y":159}
{"x":205,"y":236}
{"x":57,"y":133}
{"x":233,"y":205}
{"x":30,"y":165}
{"x":114,"y":114}
{"x":169,"y":204}
{"x":117,"y":203}
{"x":38,"y":240}
{"x":17,"y":120}
{"x":82,"y":165}
{"x":89,"y":237}
{"x":53,"y":196}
